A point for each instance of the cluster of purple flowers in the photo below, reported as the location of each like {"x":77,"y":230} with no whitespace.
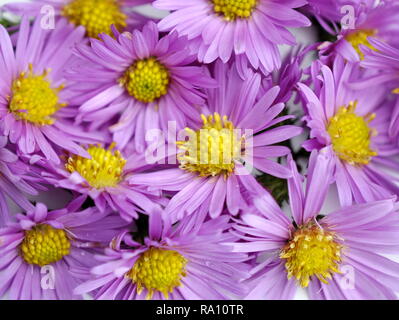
{"x":197,"y":157}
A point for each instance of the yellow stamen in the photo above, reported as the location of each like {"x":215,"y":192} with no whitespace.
{"x":33,"y":99}
{"x":360,"y":37}
{"x":158,"y":270}
{"x":351,"y":135}
{"x":146,"y":80}
{"x":234,"y":9}
{"x":213,"y":149}
{"x":395,"y":91}
{"x":44,"y":244}
{"x":104,"y":169}
{"x":96,"y":16}
{"x":312,"y":251}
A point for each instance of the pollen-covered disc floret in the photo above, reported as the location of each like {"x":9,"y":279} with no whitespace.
{"x":158,"y":270}
{"x":43,"y":245}
{"x":96,"y":16}
{"x":33,"y":99}
{"x":357,"y":38}
{"x":104,"y":169}
{"x":234,"y":9}
{"x":312,"y":251}
{"x":146,"y":80}
{"x":351,"y":135}
{"x":213,"y":149}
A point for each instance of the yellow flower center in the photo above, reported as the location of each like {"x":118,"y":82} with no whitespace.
{"x":96,"y":16}
{"x":44,"y":244}
{"x":234,"y":9}
{"x":158,"y":270}
{"x":104,"y":169}
{"x":360,"y":37}
{"x":213,"y":149}
{"x":312,"y":251}
{"x":146,"y":80}
{"x":351,"y":135}
{"x":395,"y":91}
{"x":33,"y":99}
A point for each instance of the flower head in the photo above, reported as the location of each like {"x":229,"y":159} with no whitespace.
{"x":374,"y":19}
{"x":222,"y":29}
{"x":107,"y":177}
{"x":144,"y":80}
{"x":333,"y":256}
{"x":62,"y":241}
{"x":186,"y":262}
{"x":34,"y":106}
{"x":104,"y":168}
{"x":215,"y":153}
{"x":354,"y":124}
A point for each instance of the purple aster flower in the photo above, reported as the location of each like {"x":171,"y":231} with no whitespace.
{"x":189,"y":261}
{"x":386,"y":62}
{"x":107,"y":177}
{"x":334,"y":256}
{"x":354,"y":124}
{"x":250,"y":30}
{"x":34,"y":94}
{"x":234,"y":133}
{"x":15,"y":180}
{"x":57,"y":244}
{"x":145,"y":80}
{"x":95,"y":16}
{"x":372,"y":19}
